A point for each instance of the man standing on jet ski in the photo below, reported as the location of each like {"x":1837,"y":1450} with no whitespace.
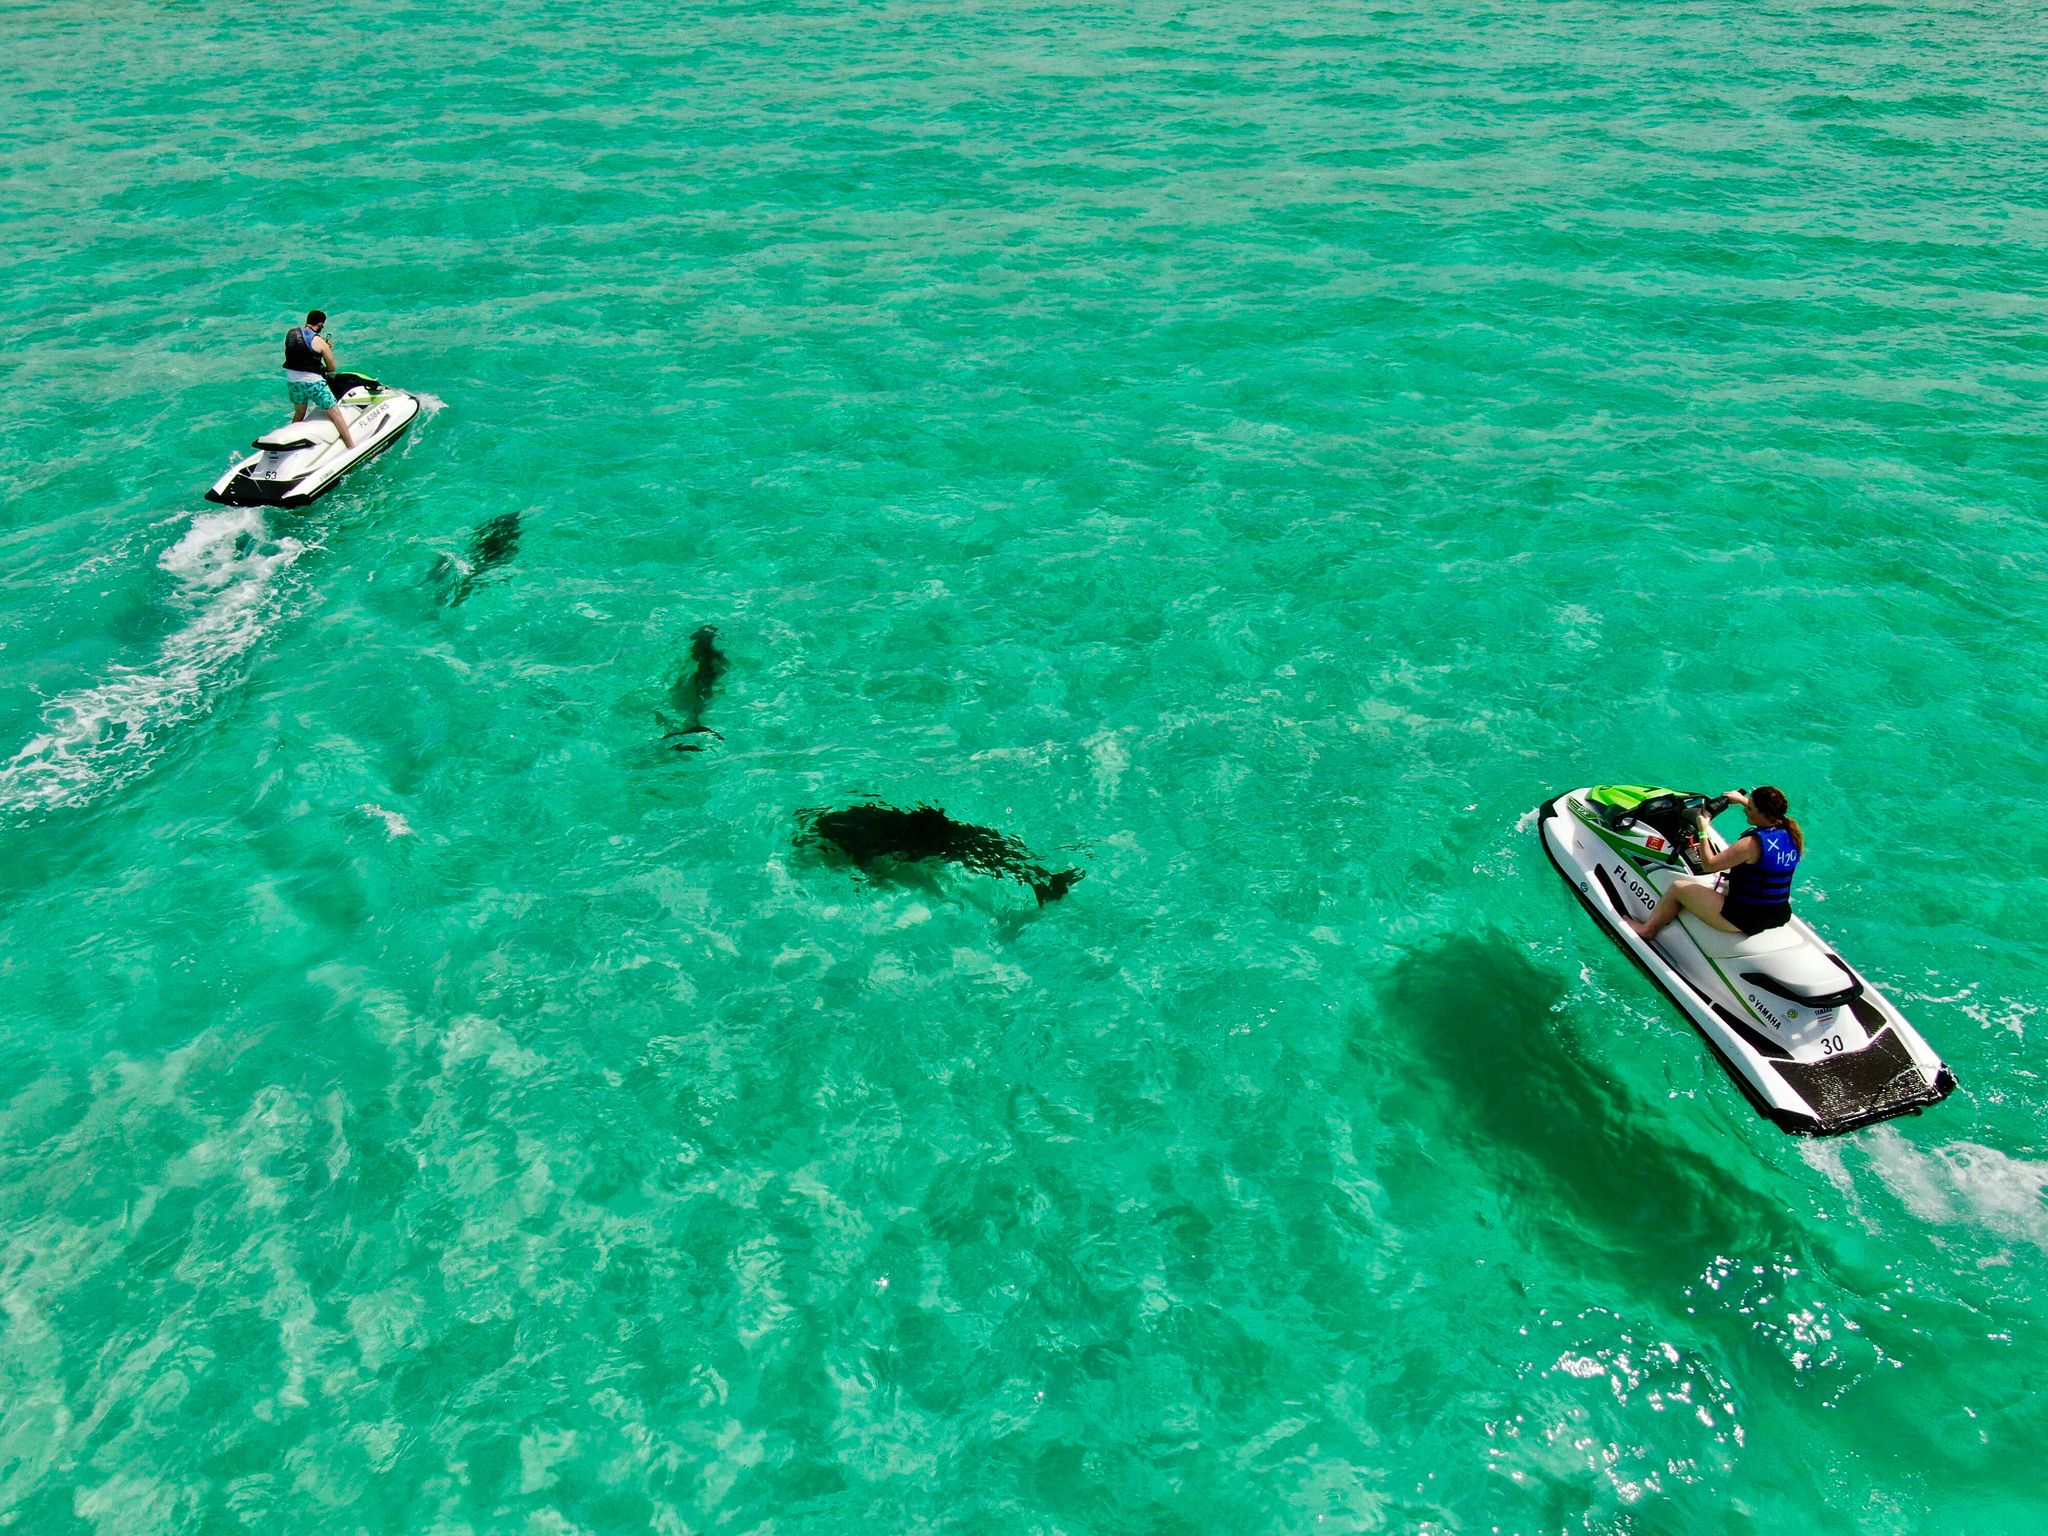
{"x":1759,"y":865}
{"x":308,"y":359}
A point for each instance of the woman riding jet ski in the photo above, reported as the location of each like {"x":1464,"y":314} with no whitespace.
{"x":1812,"y":1044}
{"x":1759,"y":863}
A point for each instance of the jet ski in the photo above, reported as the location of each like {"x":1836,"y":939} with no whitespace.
{"x":304,"y":460}
{"x":1811,"y":1043}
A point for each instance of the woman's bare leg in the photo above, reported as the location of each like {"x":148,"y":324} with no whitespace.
{"x":1696,"y":897}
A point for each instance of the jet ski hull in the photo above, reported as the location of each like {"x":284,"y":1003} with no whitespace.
{"x":1813,"y":1046}
{"x":299,"y":463}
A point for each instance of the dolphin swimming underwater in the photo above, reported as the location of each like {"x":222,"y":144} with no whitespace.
{"x":491,"y":544}
{"x":693,"y":688}
{"x":872,"y":836}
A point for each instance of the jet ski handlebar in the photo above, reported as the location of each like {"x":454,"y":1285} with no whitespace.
{"x":1672,"y":815}
{"x":1667,"y":807}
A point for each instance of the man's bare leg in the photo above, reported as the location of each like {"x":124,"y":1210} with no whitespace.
{"x":334,"y":414}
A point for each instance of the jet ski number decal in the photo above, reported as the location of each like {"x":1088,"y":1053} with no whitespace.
{"x":1636,"y":888}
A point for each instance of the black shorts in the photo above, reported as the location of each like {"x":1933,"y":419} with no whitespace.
{"x":1755,"y":919}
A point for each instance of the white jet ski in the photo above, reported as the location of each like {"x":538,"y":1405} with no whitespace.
{"x":1812,"y":1044}
{"x":304,"y":460}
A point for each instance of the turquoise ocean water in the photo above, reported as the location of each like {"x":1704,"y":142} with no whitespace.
{"x":1253,"y":452}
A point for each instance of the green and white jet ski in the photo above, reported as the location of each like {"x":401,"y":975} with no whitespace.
{"x":303,"y":460}
{"x":1815,"y":1047}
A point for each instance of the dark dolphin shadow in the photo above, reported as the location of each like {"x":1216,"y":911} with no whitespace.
{"x":880,"y":840}
{"x":491,"y":544}
{"x":692,"y":690}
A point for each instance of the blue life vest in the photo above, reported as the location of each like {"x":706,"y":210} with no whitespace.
{"x":300,"y":354}
{"x":1766,"y":883}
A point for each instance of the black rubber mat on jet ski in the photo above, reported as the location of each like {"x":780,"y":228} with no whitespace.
{"x":1863,"y":1085}
{"x":248,"y":491}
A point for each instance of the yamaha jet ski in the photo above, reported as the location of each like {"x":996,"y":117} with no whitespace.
{"x":1815,"y":1047}
{"x":304,"y":460}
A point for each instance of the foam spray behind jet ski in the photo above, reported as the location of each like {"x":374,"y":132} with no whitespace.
{"x":1815,"y":1047}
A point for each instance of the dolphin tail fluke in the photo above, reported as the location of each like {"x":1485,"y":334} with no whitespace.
{"x":1053,"y":887}
{"x":451,"y":580}
{"x":675,"y":742}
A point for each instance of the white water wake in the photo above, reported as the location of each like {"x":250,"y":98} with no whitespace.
{"x":1967,"y":1183}
{"x":1960,"y":1184}
{"x":231,"y":582}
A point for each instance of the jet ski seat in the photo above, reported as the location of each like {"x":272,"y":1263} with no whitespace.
{"x":1741,"y":946}
{"x":299,"y":434}
{"x":1782,"y":961}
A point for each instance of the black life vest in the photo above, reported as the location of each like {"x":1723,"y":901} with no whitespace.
{"x":300,"y":355}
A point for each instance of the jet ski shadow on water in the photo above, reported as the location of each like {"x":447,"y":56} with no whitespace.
{"x":303,"y":460}
{"x":876,"y":838}
{"x":491,"y":544}
{"x":1578,"y":1148}
{"x":1815,"y":1048}
{"x":692,"y":691}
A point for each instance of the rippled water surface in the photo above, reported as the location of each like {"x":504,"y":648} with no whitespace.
{"x":1254,"y":453}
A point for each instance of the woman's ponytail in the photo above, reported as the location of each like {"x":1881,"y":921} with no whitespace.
{"x":1771,"y":800}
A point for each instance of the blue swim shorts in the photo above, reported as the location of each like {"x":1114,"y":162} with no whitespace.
{"x":313,"y":392}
